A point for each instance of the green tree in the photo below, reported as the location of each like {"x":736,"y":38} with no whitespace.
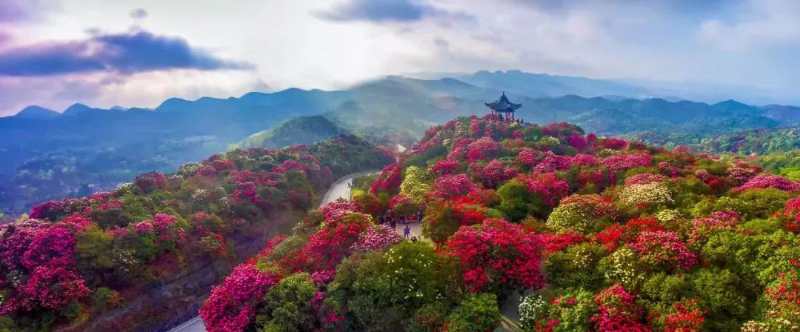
{"x":387,"y":288}
{"x":287,"y":306}
{"x":476,"y":313}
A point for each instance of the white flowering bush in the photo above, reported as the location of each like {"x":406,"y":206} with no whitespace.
{"x":645,"y":195}
{"x":623,"y":266}
{"x":532,"y":308}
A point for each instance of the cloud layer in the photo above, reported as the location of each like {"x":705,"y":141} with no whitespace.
{"x":125,"y":53}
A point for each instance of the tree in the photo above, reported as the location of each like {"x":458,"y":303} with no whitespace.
{"x":288,"y":305}
{"x":388,"y":288}
{"x":476,"y":313}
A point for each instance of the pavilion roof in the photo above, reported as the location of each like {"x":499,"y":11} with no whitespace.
{"x":503,"y":105}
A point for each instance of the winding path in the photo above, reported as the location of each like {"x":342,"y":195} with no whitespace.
{"x":339,"y":189}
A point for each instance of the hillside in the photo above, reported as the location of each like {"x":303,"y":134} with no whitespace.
{"x":143,"y":257}
{"x":88,"y":149}
{"x":596,"y":234}
{"x":299,"y":130}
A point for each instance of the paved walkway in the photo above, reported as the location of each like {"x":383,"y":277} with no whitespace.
{"x":339,"y":189}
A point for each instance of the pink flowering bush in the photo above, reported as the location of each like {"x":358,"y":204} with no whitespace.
{"x":769,"y":181}
{"x":495,"y":173}
{"x":621,"y":162}
{"x":376,"y":237}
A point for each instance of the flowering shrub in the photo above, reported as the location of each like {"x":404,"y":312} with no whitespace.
{"x":581,"y":213}
{"x":149,"y":182}
{"x":231,"y":305}
{"x":686,"y":241}
{"x":333,"y":242}
{"x":377,"y":237}
{"x":482,"y":149}
{"x":685,"y":316}
{"x":527,"y":157}
{"x":548,"y":187}
{"x":622,"y":162}
{"x":497,"y":253}
{"x":618,"y":311}
{"x":643,"y":196}
{"x":80,"y":256}
{"x":665,"y":250}
{"x":770,"y":181}
{"x":495,"y":173}
{"x":451,"y":186}
{"x":389,"y":179}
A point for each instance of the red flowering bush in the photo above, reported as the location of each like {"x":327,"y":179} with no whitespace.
{"x":495,"y":173}
{"x":333,"y":242}
{"x":618,"y":311}
{"x":791,"y":214}
{"x":614,"y":235}
{"x":445,"y":166}
{"x":482,"y":149}
{"x":232,"y":304}
{"x":388,"y":180}
{"x":685,"y":316}
{"x":548,"y":187}
{"x":451,"y":186}
{"x":497,"y":255}
{"x":662,"y":249}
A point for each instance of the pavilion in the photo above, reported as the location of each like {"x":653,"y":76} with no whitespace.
{"x":503,"y":108}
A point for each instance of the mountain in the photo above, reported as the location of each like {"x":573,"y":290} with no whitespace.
{"x":88,"y":149}
{"x":299,"y":130}
{"x":36,"y":113}
{"x":597,"y":234}
{"x":544,"y":85}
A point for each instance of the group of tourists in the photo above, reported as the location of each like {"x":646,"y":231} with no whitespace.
{"x":405,"y":221}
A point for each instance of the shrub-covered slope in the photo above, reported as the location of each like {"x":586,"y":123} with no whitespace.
{"x":299,"y":130}
{"x":598,"y":234}
{"x":141,"y":256}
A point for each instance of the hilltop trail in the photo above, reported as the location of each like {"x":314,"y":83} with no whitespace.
{"x":339,"y":189}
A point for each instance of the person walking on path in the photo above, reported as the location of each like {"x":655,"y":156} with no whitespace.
{"x":406,"y":231}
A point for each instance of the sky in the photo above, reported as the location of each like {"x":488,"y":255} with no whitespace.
{"x":137,"y":53}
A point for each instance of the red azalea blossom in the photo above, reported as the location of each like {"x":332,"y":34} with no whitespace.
{"x":498,"y":253}
{"x":231,"y":305}
{"x":665,"y":249}
{"x":618,"y":311}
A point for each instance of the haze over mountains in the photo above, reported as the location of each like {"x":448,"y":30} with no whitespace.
{"x":85,"y":149}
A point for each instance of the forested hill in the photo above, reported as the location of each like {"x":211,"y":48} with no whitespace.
{"x":597,"y":234}
{"x":142,"y":257}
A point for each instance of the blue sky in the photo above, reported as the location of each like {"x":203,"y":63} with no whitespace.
{"x":139,"y":52}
